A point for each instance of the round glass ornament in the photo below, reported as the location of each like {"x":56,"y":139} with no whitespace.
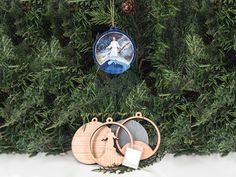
{"x":114,"y":51}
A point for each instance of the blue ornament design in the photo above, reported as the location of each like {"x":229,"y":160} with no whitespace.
{"x":114,"y":51}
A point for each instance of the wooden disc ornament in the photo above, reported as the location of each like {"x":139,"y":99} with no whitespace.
{"x":110,"y":156}
{"x":80,"y":142}
{"x":147,"y":150}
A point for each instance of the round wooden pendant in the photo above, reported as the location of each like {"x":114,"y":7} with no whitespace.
{"x":147,"y":150}
{"x":110,"y":157}
{"x":80,"y":142}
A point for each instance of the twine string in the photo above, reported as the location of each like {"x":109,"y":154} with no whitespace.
{"x":112,"y":10}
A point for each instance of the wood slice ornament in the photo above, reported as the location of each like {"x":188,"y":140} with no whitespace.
{"x":110,"y":157}
{"x":147,"y":150}
{"x":80,"y":142}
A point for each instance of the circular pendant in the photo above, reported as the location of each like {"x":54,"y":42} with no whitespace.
{"x":136,"y":129}
{"x":147,"y":150}
{"x":110,"y":157}
{"x":80,"y":142}
{"x":114,"y":51}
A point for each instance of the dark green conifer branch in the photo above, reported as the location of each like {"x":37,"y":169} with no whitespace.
{"x":184,"y":77}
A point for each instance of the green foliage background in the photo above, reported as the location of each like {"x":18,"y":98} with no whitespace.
{"x":184,"y":77}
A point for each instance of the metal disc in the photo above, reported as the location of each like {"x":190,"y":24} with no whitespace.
{"x":137,"y":131}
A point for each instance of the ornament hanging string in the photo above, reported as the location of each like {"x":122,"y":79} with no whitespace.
{"x":112,"y":10}
{"x":113,"y":50}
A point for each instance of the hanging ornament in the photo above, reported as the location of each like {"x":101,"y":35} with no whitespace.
{"x":127,"y":6}
{"x":114,"y":50}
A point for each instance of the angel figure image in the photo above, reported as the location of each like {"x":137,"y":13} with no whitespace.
{"x":115,"y":47}
{"x":110,"y":157}
{"x":114,"y":52}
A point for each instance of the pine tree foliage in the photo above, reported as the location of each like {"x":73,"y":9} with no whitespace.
{"x":184,"y":76}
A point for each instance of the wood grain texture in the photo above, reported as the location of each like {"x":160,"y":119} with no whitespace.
{"x":110,"y":157}
{"x":80,"y":142}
